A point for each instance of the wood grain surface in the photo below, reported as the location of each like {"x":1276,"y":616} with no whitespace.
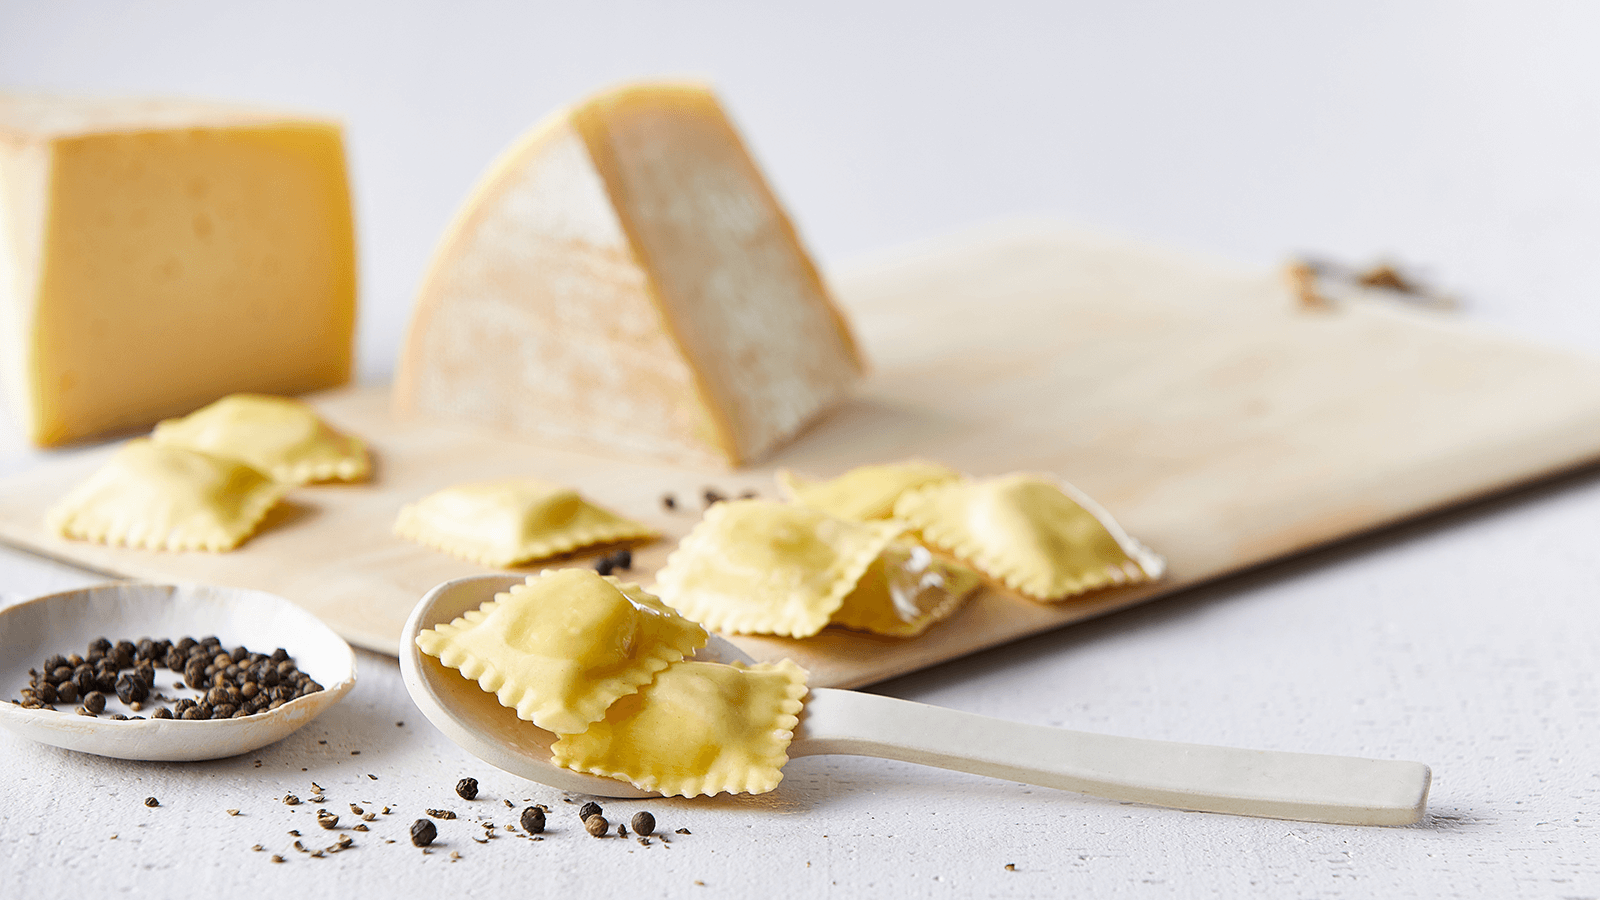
{"x":1221,"y":423}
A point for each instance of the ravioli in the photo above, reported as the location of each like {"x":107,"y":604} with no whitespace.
{"x":865,"y":492}
{"x":562,"y":647}
{"x":280,"y":436}
{"x":904,"y":591}
{"x":1040,"y":537}
{"x":763,"y":567}
{"x":156,"y":497}
{"x":511,"y":522}
{"x":699,"y":728}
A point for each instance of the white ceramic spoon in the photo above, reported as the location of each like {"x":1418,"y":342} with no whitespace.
{"x":1307,"y":787}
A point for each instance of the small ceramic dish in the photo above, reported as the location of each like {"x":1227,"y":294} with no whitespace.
{"x":66,"y":622}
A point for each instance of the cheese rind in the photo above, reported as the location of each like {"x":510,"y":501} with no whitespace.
{"x":159,"y":255}
{"x":623,"y":279}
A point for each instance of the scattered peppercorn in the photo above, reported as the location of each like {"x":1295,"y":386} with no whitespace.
{"x":423,"y":832}
{"x":643,"y":823}
{"x":467,"y":789}
{"x":588,"y":809}
{"x":533,"y":820}
{"x":596,"y":825}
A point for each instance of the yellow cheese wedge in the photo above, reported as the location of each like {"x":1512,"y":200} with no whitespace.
{"x":624,"y":279}
{"x":157,"y":255}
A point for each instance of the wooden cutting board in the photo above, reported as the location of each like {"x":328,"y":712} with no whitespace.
{"x":1220,"y":422}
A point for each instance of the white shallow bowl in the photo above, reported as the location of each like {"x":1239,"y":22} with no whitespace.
{"x":65,"y":623}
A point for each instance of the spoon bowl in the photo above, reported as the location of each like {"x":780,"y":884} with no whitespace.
{"x":1301,"y":786}
{"x":66,"y":622}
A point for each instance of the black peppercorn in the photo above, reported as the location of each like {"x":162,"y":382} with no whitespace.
{"x":533,"y":820}
{"x":623,"y":559}
{"x":423,"y":832}
{"x":644,"y":823}
{"x":588,"y":809}
{"x":131,"y":689}
{"x":94,"y":702}
{"x":467,"y":789}
{"x":603,"y":565}
{"x":67,"y":692}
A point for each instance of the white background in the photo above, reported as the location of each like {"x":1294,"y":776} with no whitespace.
{"x":1462,"y":138}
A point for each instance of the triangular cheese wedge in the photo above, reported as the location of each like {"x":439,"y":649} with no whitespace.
{"x":624,"y":279}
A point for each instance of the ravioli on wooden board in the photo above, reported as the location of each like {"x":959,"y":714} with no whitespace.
{"x":281,"y":436}
{"x":511,"y":522}
{"x":1035,"y":534}
{"x":167,"y":498}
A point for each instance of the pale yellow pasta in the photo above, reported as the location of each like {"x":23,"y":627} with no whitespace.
{"x":699,"y":728}
{"x":763,"y":567}
{"x":562,"y":647}
{"x":167,"y":498}
{"x":904,"y":591}
{"x":281,"y":436}
{"x":511,"y":522}
{"x":865,"y":492}
{"x":1039,"y":536}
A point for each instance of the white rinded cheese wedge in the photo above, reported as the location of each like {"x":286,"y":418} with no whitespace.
{"x":623,"y":279}
{"x":156,"y":255}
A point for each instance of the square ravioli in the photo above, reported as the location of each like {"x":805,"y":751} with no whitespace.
{"x":699,"y":728}
{"x":511,"y":522}
{"x":905,"y":591}
{"x":865,"y":492}
{"x":562,"y":647}
{"x":167,"y":498}
{"x":763,"y":567}
{"x":1039,"y":536}
{"x":280,"y":436}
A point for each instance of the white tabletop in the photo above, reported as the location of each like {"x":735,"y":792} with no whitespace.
{"x":1464,"y":140}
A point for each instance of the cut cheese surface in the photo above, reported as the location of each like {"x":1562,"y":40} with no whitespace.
{"x":623,"y":279}
{"x":157,"y":255}
{"x":510,"y":522}
{"x":562,"y":647}
{"x":167,"y":498}
{"x":281,"y":436}
{"x":699,"y":729}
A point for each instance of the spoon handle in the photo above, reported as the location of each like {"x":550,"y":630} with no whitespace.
{"x":1308,"y":787}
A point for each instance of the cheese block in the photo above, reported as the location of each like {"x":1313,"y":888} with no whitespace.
{"x":156,"y":255}
{"x":623,"y":279}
